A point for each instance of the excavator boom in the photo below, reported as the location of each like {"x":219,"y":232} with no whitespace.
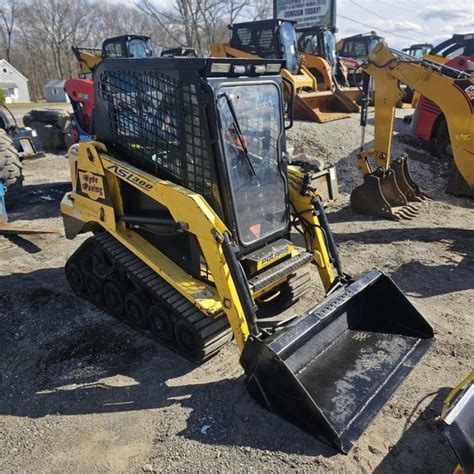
{"x":388,"y":188}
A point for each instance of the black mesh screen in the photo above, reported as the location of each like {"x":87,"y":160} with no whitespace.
{"x":157,"y":124}
{"x":259,"y":41}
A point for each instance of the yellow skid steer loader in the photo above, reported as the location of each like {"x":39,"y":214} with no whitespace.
{"x":277,"y":39}
{"x":191,"y":200}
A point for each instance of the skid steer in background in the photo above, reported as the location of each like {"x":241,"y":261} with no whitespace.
{"x":191,"y":201}
{"x":318,"y":47}
{"x":277,"y":39}
{"x":81,"y":90}
{"x":388,"y":189}
{"x":354,"y":51}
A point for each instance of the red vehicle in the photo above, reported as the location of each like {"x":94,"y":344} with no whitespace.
{"x":428,"y":122}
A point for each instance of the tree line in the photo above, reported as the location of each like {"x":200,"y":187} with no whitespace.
{"x":37,"y":36}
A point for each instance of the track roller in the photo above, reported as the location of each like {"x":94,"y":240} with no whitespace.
{"x":110,"y":276}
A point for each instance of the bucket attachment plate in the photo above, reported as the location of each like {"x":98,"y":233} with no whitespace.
{"x":458,"y":426}
{"x":389,"y":193}
{"x":320,"y":107}
{"x":334,"y":368}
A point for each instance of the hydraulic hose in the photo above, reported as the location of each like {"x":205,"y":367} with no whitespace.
{"x":241,"y":286}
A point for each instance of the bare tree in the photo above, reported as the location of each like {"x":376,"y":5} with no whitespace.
{"x":195,"y":23}
{"x":8,"y":13}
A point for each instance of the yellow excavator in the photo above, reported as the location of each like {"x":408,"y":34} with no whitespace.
{"x":191,"y":199}
{"x":277,"y":39}
{"x":388,"y":189}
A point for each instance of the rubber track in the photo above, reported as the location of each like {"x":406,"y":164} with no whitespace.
{"x":214,"y":332}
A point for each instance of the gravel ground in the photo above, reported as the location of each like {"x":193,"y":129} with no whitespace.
{"x":81,"y":392}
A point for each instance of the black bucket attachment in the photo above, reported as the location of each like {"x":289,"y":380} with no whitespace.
{"x":389,"y":193}
{"x":334,"y":368}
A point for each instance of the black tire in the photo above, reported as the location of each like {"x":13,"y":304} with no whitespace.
{"x":94,"y":288}
{"x":114,"y":298}
{"x":136,"y":309}
{"x":75,"y":278}
{"x":11,"y":169}
{"x":188,"y":339}
{"x":160,"y":322}
{"x":47,"y":115}
{"x":27,"y":120}
{"x":442,"y":141}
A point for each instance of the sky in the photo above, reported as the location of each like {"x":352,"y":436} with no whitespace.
{"x":405,"y":22}
{"x":402,"y":22}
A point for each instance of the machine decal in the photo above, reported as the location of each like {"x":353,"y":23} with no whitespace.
{"x":467,"y":88}
{"x":132,"y":177}
{"x":463,"y":137}
{"x":92,"y":185}
{"x":275,"y":255}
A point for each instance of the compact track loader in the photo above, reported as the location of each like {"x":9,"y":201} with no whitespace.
{"x":388,"y":189}
{"x":277,"y":39}
{"x":189,"y":195}
{"x":317,"y":45}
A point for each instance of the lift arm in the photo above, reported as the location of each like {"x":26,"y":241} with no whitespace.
{"x":96,"y":203}
{"x":451,"y":90}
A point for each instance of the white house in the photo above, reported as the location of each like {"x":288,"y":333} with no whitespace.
{"x":54,"y":91}
{"x":13,"y":83}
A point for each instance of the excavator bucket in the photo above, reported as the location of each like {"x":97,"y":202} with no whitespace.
{"x":321,"y":107}
{"x":333,"y":369}
{"x":389,"y":194}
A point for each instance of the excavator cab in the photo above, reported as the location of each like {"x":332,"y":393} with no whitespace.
{"x":192,"y":201}
{"x":277,"y":39}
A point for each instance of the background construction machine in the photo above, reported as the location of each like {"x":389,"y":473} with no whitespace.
{"x":191,"y":200}
{"x":418,"y":50}
{"x":429,"y":122}
{"x":354,"y":51}
{"x":318,"y":45}
{"x":24,"y":139}
{"x":277,"y":39}
{"x":81,"y":90}
{"x":388,"y":190}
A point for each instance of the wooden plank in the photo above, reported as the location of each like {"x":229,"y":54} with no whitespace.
{"x":7,"y":228}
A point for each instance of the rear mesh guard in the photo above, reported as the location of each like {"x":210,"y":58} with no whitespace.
{"x":333,"y":369}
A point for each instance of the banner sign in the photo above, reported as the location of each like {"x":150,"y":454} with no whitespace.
{"x":306,"y":12}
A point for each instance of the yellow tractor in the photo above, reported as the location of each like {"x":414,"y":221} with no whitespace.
{"x":388,"y":189}
{"x":277,"y":39}
{"x":193,"y":206}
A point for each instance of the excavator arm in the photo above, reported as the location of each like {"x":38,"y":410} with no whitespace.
{"x":388,"y":187}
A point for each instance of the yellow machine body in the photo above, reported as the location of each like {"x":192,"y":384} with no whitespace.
{"x":191,"y":215}
{"x":388,"y":188}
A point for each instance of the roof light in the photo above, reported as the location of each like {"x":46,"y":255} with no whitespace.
{"x":274,"y":68}
{"x":222,"y":68}
{"x":239,"y":69}
{"x":260,"y":69}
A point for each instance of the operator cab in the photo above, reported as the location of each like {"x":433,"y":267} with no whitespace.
{"x":359,"y":47}
{"x":418,"y":50}
{"x":212,"y":125}
{"x":269,"y":39}
{"x":127,"y":46}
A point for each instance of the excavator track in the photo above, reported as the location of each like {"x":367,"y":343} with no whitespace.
{"x":106,"y":273}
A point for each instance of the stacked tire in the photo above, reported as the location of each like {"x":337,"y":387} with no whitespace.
{"x":51,"y":125}
{"x":11,"y":169}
